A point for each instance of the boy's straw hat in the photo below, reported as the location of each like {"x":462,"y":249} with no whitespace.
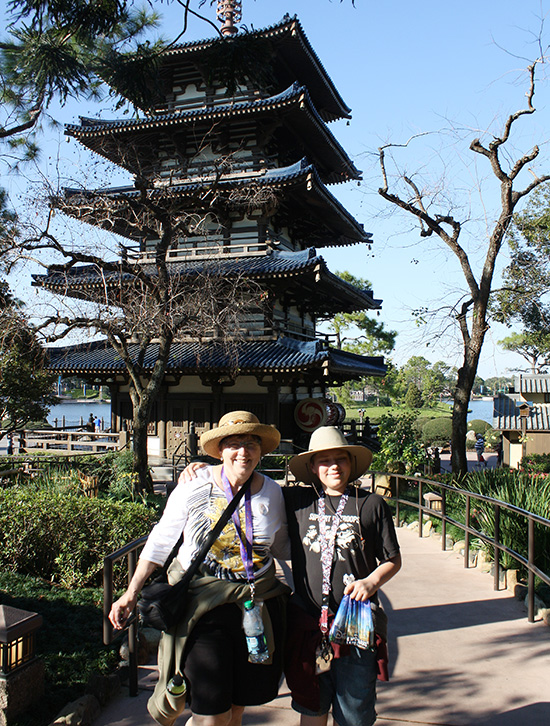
{"x":323,"y":439}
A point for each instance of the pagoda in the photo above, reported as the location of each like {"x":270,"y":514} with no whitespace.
{"x":274,"y":213}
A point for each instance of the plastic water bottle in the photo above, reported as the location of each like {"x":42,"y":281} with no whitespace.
{"x":176,"y":685}
{"x":253,"y":627}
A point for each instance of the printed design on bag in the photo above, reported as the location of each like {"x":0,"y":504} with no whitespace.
{"x":346,"y":536}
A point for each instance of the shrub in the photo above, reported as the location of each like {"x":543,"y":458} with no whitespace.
{"x":398,"y":442}
{"x":522,"y":490}
{"x":478,"y":426}
{"x":413,"y":397}
{"x":536,"y":463}
{"x":436,"y":431}
{"x":64,"y":537}
{"x":68,"y":642}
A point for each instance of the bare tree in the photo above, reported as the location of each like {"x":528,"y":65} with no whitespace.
{"x":143,"y":300}
{"x":472,"y":311}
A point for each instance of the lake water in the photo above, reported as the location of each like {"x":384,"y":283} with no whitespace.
{"x":76,"y":412}
{"x":479,"y":409}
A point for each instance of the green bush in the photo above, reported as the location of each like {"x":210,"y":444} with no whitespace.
{"x":64,"y":537}
{"x":478,"y":426}
{"x":438,"y":431}
{"x":536,"y":463}
{"x":69,"y":642}
{"x":398,"y":442}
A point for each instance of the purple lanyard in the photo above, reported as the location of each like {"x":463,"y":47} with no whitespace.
{"x":328,"y":543}
{"x":246,"y":544}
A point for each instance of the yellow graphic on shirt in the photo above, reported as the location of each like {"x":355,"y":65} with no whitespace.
{"x":226,"y":549}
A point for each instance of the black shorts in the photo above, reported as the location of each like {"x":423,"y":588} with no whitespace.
{"x":216,"y":665}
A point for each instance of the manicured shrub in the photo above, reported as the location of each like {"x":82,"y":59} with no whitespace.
{"x":478,"y":426}
{"x":437,"y":432}
{"x":413,"y":397}
{"x":63,"y":537}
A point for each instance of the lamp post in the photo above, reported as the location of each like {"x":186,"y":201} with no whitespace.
{"x":524,"y":413}
{"x":21,"y":672}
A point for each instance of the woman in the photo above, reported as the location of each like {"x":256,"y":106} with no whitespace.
{"x":343,"y":543}
{"x":208,"y":647}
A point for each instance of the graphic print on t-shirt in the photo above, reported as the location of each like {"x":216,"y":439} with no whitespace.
{"x":346,"y":536}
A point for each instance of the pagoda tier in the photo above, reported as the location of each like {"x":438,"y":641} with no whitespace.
{"x":249,"y":135}
{"x":298,"y":212}
{"x":284,"y":53}
{"x":295,"y":280}
{"x":279,"y":361}
{"x":231,"y":166}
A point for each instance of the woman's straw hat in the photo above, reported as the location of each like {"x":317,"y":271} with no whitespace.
{"x":237,"y":423}
{"x":323,"y":439}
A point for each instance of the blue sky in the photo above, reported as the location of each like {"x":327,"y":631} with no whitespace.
{"x":408,"y":68}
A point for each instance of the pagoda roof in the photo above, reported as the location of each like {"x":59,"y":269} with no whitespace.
{"x":294,"y":103}
{"x":329,"y":293}
{"x":308,"y":206}
{"x":294,"y":59}
{"x":284,"y":355}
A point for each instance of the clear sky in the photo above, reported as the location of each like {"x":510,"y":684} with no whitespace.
{"x":408,"y":68}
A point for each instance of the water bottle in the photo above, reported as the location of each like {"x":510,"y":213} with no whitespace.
{"x":253,"y":627}
{"x":176,"y":685}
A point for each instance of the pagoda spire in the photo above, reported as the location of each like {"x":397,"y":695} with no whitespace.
{"x":229,"y":13}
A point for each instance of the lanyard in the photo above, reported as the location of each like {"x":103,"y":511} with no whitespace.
{"x":246,"y":543}
{"x":328,"y":542}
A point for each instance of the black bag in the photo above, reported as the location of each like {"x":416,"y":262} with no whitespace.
{"x":162,"y":605}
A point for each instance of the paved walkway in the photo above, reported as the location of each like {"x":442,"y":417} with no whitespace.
{"x":461,"y":653}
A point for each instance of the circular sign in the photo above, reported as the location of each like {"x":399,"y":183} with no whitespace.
{"x":310,"y":413}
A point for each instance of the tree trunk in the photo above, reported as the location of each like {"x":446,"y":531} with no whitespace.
{"x":141,"y":463}
{"x":465,"y":383}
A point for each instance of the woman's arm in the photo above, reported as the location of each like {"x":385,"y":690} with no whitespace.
{"x":123,"y":607}
{"x":365,"y":588}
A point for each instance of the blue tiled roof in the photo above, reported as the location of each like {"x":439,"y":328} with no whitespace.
{"x":282,"y":355}
{"x":298,"y":174}
{"x":96,"y":125}
{"x":288,"y":26}
{"x":292,"y":98}
{"x":277,"y":264}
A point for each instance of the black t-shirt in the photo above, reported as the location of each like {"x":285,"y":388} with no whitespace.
{"x":365,"y":514}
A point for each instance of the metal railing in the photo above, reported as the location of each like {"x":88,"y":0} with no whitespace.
{"x":526,"y":559}
{"x":130,"y":552}
{"x":402,"y":482}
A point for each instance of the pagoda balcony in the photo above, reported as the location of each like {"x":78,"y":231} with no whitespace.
{"x":237,"y":247}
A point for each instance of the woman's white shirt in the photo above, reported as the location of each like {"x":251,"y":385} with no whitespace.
{"x":194,"y":508}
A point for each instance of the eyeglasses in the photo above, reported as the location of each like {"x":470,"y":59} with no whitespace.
{"x":236,"y":445}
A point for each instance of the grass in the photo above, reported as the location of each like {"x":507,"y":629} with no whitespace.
{"x":375,"y":413}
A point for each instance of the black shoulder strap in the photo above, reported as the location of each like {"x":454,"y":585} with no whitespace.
{"x":213,"y":535}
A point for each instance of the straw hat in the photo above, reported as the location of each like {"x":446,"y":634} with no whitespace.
{"x":323,"y":439}
{"x":237,"y":423}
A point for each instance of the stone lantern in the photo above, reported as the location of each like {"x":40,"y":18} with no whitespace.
{"x":21,"y":672}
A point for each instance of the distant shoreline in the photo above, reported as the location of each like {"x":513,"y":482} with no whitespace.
{"x":65,"y":399}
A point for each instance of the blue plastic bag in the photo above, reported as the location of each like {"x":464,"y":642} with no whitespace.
{"x":353,"y":624}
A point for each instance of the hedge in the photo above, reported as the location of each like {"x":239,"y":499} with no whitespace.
{"x":64,"y":537}
{"x":437,"y":431}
